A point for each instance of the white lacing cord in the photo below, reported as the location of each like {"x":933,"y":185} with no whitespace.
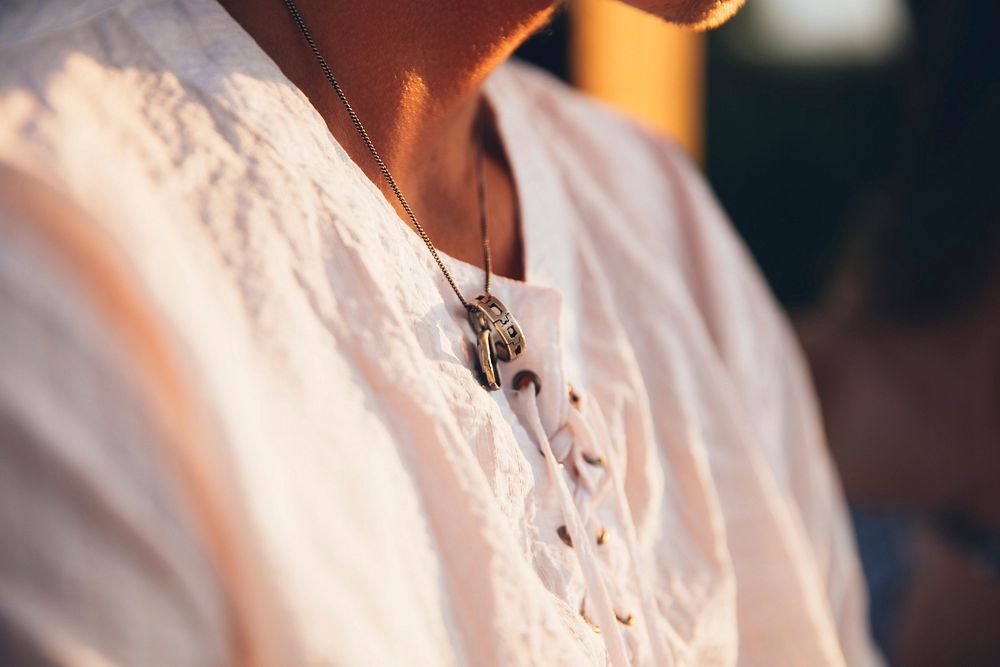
{"x":598,"y":593}
{"x":582,"y":429}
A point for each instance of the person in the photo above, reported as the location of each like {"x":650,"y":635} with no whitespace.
{"x":249,"y":417}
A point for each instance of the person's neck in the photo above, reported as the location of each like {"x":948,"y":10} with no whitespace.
{"x":411,"y":69}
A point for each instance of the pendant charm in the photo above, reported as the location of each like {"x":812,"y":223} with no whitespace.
{"x":489,"y":372}
{"x":498,"y":337}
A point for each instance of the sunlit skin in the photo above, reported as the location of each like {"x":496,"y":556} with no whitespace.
{"x":697,"y":14}
{"x":412,"y":69}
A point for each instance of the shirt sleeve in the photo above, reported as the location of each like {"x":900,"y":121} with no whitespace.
{"x":763,"y":357}
{"x":99,"y":561}
{"x":803,"y":467}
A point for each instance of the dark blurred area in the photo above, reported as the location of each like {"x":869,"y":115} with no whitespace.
{"x":860,"y":167}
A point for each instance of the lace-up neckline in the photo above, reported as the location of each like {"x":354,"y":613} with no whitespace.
{"x":578,"y":455}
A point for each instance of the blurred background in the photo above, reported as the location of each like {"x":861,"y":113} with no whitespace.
{"x":854,"y":145}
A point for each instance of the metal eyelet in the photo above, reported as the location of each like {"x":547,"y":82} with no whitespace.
{"x":586,"y":619}
{"x":574,"y":397}
{"x":625,"y":620}
{"x":602,"y":537}
{"x":522,"y":378}
{"x":593,"y":460}
{"x":564,"y":535}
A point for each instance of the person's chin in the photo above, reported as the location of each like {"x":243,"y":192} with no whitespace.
{"x":696,"y":14}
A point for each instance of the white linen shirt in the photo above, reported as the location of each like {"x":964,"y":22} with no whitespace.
{"x":238,"y":420}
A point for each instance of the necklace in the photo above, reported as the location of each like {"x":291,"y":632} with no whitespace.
{"x":498,"y":335}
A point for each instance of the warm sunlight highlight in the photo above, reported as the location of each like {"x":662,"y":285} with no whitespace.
{"x":643,"y":66}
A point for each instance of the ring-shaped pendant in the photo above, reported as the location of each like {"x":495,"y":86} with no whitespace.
{"x":498,"y":338}
{"x":489,"y":372}
{"x":488,"y":312}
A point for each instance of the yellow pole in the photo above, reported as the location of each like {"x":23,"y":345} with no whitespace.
{"x":641,"y":65}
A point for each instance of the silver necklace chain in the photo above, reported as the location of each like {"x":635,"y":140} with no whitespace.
{"x":481,"y":188}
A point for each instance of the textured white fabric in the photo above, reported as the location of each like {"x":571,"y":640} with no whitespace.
{"x":403,"y":514}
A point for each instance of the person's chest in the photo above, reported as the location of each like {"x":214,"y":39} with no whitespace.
{"x":392,"y":493}
{"x":372,"y":456}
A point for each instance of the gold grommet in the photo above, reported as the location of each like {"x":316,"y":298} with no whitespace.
{"x":564,"y":535}
{"x":586,"y":619}
{"x":522,"y":379}
{"x":574,"y":397}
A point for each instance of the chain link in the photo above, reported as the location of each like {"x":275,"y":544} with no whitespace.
{"x":300,"y":23}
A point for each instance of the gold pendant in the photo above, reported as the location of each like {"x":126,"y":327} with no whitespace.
{"x":498,"y":337}
{"x":489,"y":372}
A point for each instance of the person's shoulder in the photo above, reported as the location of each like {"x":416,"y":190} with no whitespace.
{"x":629,"y":160}
{"x":564,"y":107}
{"x":65,"y":77}
{"x":654,"y":184}
{"x":24,"y":22}
{"x":648,"y":184}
